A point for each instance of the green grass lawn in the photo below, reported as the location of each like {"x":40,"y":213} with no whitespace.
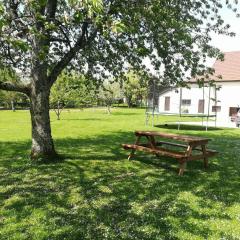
{"x":96,"y":193}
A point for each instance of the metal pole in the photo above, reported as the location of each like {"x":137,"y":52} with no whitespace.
{"x":215,"y":106}
{"x":153,"y":103}
{"x":180,"y":108}
{"x":209,"y":95}
{"x":147,"y":104}
{"x":203,"y":105}
{"x":180,"y":104}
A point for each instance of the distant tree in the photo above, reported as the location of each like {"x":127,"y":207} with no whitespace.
{"x":109,"y":93}
{"x":135,"y":88}
{"x":9,"y":98}
{"x":41,"y":38}
{"x":60,"y":94}
{"x":71,"y":89}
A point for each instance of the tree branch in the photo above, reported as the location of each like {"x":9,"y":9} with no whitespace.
{"x":51,"y":9}
{"x":14,"y":87}
{"x":80,"y":43}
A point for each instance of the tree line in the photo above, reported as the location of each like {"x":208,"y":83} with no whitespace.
{"x":73,"y":90}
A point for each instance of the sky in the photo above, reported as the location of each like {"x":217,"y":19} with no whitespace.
{"x":225,"y":43}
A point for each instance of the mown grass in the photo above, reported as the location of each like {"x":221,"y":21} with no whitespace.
{"x":95,"y":193}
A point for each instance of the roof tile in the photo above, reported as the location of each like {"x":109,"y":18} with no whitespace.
{"x":229,"y":69}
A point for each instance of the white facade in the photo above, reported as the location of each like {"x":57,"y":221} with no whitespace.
{"x":224,"y":96}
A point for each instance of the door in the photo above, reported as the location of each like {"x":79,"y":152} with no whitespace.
{"x":167,"y":104}
{"x":201,"y":104}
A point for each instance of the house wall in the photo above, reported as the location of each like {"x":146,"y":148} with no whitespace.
{"x":227,"y":96}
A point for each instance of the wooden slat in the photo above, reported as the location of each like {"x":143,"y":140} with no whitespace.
{"x":184,"y":138}
{"x":183,"y":146}
{"x":200,"y":156}
{"x":171,"y":144}
{"x":160,"y":151}
{"x":167,"y":152}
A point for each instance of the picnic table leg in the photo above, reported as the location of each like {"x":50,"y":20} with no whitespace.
{"x":153,"y":144}
{"x":205,"y":159}
{"x":183,"y":162}
{"x":134,"y":150}
{"x":182,"y":167}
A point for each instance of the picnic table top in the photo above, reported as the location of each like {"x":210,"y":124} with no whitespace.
{"x":179,"y":137}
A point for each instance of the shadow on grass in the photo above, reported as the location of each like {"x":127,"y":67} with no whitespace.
{"x":97,"y":194}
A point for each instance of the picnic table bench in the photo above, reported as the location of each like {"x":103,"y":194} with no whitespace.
{"x":194,"y":148}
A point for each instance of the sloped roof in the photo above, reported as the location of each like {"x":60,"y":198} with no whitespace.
{"x":229,"y":69}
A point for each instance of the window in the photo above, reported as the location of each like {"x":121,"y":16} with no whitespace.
{"x":216,"y":108}
{"x":201,"y":104}
{"x":233,"y":111}
{"x":167,"y":104}
{"x":186,"y":102}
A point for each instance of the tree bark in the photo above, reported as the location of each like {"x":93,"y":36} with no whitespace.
{"x":42,"y":142}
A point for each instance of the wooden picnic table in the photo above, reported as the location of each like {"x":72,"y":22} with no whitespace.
{"x":194,"y":148}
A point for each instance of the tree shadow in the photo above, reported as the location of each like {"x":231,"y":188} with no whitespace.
{"x":97,"y":194}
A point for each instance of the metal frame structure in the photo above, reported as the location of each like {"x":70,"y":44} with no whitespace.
{"x":151,"y":111}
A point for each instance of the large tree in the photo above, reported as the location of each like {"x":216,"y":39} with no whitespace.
{"x":41,"y":38}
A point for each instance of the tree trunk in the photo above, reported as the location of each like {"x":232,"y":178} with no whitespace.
{"x":58,"y":110}
{"x":108,"y":109}
{"x":42,"y":142}
{"x":129,"y":101}
{"x":12,"y":105}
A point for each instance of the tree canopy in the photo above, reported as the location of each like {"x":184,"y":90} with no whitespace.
{"x":102,"y":36}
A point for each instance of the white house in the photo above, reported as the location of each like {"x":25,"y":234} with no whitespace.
{"x":222,"y":100}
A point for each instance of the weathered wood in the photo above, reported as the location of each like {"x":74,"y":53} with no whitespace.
{"x":184,"y":146}
{"x":160,"y":143}
{"x":182,"y":167}
{"x":184,"y":138}
{"x":160,"y":151}
{"x":154,"y":147}
{"x":133,"y":150}
{"x":183,"y":163}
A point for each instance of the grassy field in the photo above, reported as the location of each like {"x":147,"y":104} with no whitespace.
{"x":97,"y":194}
